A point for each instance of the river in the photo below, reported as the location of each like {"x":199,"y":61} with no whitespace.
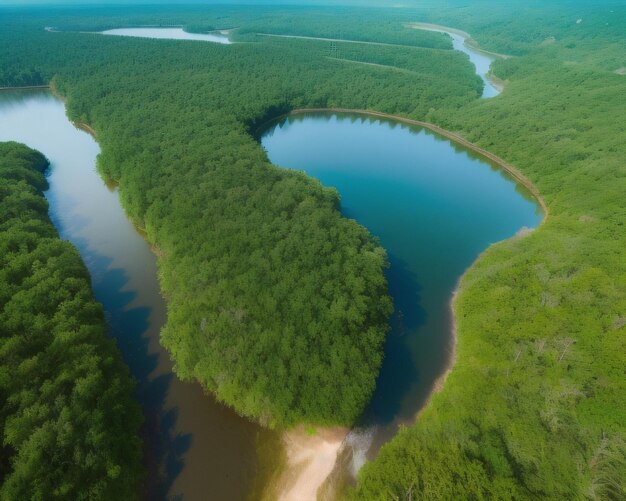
{"x":435,"y":206}
{"x":194,"y":445}
{"x":480,"y":59}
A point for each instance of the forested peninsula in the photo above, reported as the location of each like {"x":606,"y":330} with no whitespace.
{"x":69,"y":425}
{"x":276,"y":303}
{"x":279,"y":306}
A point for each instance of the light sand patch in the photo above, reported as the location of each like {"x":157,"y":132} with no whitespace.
{"x":524,"y":231}
{"x":621,"y":71}
{"x":310,"y":460}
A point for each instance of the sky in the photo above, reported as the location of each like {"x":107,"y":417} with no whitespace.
{"x":382,"y":3}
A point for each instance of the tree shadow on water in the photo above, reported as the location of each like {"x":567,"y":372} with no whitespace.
{"x":398,"y":373}
{"x":133,"y":328}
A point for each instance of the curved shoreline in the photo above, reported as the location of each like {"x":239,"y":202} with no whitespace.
{"x":86,"y":128}
{"x":469,"y":41}
{"x":471,"y":45}
{"x":453,"y":136}
{"x":515,"y":173}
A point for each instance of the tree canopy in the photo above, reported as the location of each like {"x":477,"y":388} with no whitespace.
{"x":68,"y":422}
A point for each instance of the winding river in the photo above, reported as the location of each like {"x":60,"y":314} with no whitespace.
{"x":194,"y":445}
{"x":480,"y":59}
{"x":434,"y":206}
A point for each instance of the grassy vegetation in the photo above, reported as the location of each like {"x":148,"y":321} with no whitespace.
{"x":535,"y":406}
{"x":68,"y":422}
{"x":262,"y":274}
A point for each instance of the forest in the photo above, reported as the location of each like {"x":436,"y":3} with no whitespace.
{"x":276,"y":303}
{"x":68,"y":422}
{"x":279,"y":306}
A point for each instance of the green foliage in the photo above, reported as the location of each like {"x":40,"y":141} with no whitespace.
{"x":534,"y":407}
{"x":276,"y":303}
{"x":68,"y":422}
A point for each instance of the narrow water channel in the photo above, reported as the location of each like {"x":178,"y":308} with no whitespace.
{"x":435,"y":207}
{"x":480,"y":59}
{"x":197,"y":449}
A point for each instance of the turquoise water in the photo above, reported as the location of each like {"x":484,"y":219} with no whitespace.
{"x":434,"y":206}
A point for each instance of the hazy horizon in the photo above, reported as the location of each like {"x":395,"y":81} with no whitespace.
{"x":310,"y":3}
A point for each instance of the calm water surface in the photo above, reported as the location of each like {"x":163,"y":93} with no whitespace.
{"x":168,"y":33}
{"x":197,"y":448}
{"x":434,"y":206}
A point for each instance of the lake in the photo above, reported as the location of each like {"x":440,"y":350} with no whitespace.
{"x":435,"y":206}
{"x":169,"y":33}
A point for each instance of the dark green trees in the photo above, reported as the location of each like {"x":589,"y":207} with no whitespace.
{"x":68,"y":422}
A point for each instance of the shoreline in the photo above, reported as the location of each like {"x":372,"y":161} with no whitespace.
{"x":470,"y":44}
{"x":517,"y":175}
{"x":469,"y":41}
{"x":310,"y":460}
{"x":453,"y":136}
{"x":88,"y":129}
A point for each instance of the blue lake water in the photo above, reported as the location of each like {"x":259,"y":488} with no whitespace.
{"x":435,"y":207}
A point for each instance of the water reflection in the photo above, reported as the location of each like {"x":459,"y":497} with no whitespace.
{"x":434,"y":206}
{"x":193,"y":445}
{"x":169,"y":34}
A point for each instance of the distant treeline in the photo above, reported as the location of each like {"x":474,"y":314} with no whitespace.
{"x":68,"y":422}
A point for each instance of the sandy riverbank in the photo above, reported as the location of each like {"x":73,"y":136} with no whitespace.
{"x":310,"y":460}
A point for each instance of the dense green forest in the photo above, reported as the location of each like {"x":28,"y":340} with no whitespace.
{"x":68,"y":422}
{"x":278,"y":305}
{"x":535,"y":405}
{"x":275,"y":302}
